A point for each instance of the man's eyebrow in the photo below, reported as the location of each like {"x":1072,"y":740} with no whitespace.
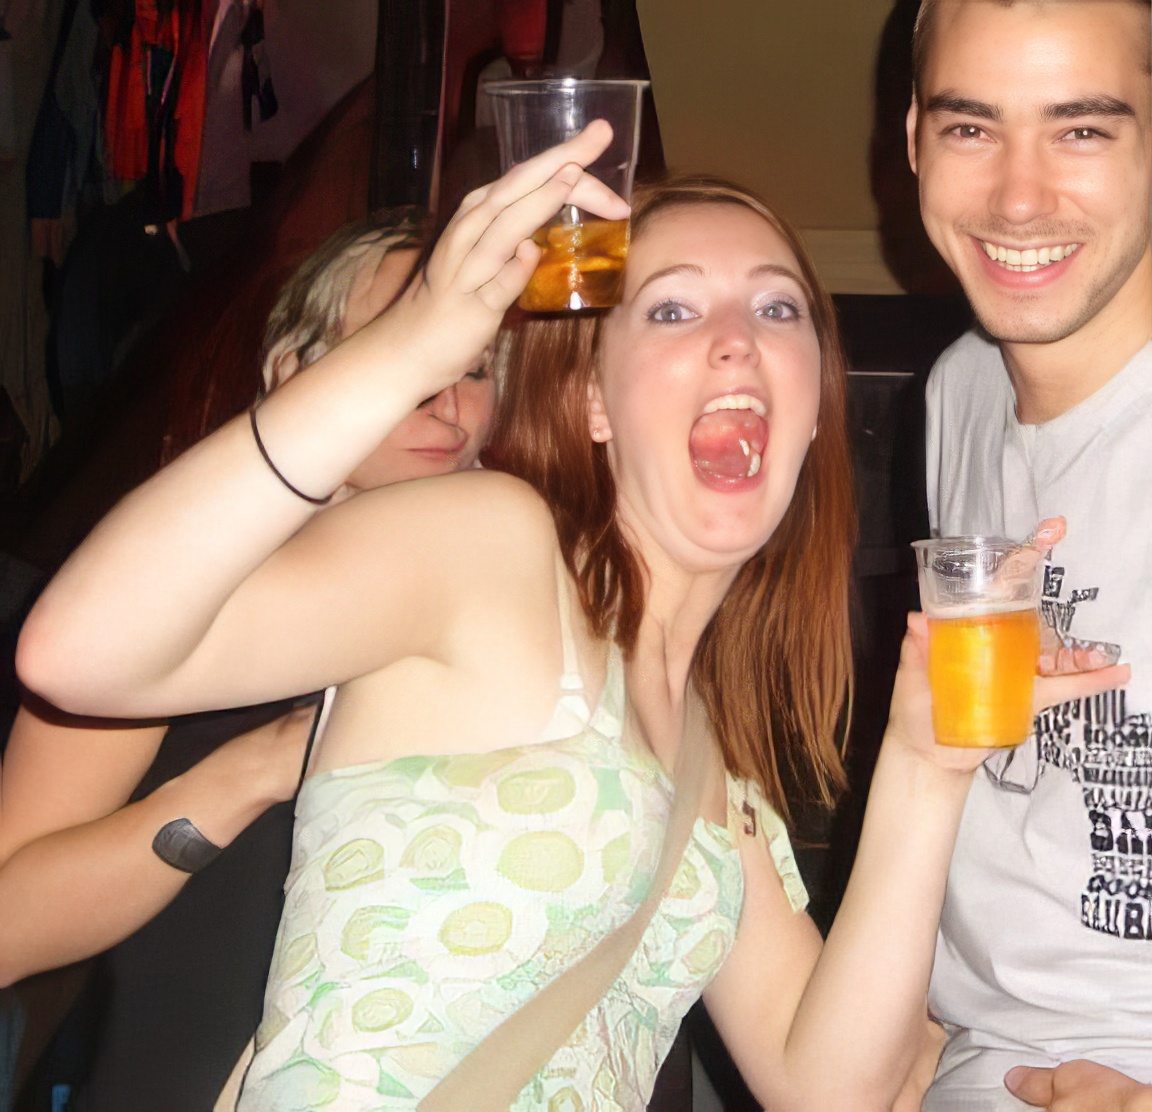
{"x":962,"y":106}
{"x":1088,"y":106}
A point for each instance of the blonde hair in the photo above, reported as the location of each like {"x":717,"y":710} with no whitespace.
{"x":308,"y":317}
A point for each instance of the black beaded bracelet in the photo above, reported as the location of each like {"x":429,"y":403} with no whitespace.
{"x":276,"y":470}
{"x":178,"y":843}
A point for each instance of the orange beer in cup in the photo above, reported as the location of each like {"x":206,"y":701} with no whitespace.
{"x":583,"y":256}
{"x":980,"y":669}
{"x":981,"y":596}
{"x":582,"y":266}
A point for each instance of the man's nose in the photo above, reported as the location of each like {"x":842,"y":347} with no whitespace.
{"x":1024,"y":188}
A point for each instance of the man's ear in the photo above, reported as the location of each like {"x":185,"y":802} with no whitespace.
{"x":910,"y":122}
{"x":598,"y":427}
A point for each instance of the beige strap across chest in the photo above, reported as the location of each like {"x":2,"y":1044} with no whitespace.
{"x":493,"y":1074}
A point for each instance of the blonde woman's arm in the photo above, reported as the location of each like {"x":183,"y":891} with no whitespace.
{"x":77,"y":870}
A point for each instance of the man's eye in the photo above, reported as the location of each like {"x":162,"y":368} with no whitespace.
{"x":967,"y":131}
{"x":670,"y":312}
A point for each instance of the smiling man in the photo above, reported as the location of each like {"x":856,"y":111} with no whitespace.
{"x":1031,"y":134}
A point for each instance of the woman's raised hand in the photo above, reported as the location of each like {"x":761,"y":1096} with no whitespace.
{"x":486,"y":254}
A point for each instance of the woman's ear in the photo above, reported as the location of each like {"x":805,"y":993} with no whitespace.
{"x":598,"y":427}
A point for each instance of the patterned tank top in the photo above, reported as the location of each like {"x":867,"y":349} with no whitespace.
{"x":430,"y":897}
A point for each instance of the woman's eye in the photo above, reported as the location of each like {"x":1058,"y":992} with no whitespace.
{"x":670,"y":312}
{"x":779,"y":310}
{"x":479,"y":374}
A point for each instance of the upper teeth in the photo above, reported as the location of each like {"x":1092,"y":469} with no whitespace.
{"x":1031,"y":259}
{"x":737,"y":401}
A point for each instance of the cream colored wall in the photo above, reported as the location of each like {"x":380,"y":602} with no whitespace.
{"x":779,"y":97}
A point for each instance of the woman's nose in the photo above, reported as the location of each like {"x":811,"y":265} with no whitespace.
{"x":732,"y":340}
{"x":445,"y":405}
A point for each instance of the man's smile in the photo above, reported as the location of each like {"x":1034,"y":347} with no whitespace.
{"x":1027,"y":259}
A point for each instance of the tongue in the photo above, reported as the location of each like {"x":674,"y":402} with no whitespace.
{"x":724,"y":443}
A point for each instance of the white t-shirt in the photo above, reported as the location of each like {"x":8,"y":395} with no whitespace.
{"x":1045,"y":947}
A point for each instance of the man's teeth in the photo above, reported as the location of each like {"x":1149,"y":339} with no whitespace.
{"x":1031,"y":259}
{"x":737,"y":401}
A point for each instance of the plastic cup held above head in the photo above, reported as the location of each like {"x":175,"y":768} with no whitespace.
{"x":981,"y":596}
{"x":583,"y":258}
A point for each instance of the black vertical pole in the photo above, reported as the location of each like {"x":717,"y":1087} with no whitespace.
{"x":409,"y":64}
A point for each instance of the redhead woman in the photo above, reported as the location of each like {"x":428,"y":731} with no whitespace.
{"x":526,"y":664}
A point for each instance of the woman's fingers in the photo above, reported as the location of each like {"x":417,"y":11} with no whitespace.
{"x":503,"y":222}
{"x":1021,"y":564}
{"x":592,"y":195}
{"x":527,"y":177}
{"x":484,"y":235}
{"x":1060,"y":653}
{"x":1050,"y":691}
{"x":486,"y":254}
{"x":1049,"y":533}
{"x":534,"y":173}
{"x":510,"y":280}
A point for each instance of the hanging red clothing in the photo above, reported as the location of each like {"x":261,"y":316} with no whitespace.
{"x":134,"y":74}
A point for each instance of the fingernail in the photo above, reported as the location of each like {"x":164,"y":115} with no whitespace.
{"x":1014,"y":1076}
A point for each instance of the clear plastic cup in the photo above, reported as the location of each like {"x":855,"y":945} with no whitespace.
{"x":583,"y":259}
{"x":981,"y":596}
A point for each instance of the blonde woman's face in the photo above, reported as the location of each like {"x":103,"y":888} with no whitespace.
{"x":444,"y":433}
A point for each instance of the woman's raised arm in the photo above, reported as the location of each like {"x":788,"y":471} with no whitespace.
{"x":174,"y":593}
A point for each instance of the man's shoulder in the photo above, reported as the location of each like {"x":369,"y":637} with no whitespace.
{"x":973,"y":353}
{"x":970,"y":372}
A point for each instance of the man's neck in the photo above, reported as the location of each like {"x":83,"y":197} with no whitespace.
{"x":1050,"y":379}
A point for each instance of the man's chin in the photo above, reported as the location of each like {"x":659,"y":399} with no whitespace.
{"x":1028,"y":325}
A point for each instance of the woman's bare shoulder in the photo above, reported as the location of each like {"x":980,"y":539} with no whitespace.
{"x":486,"y":508}
{"x":464,"y":529}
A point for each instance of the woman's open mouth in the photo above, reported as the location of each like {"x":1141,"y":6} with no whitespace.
{"x":728,"y":439}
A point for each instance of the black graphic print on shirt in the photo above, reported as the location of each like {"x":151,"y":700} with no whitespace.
{"x":1108,"y":752}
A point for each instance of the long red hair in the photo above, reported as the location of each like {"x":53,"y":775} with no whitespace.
{"x":774,"y":665}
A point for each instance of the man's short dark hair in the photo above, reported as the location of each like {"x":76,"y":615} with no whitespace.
{"x":926,"y":20}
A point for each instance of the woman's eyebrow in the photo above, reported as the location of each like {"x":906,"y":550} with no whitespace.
{"x":779,"y":271}
{"x":664,"y":272}
{"x":691,"y":268}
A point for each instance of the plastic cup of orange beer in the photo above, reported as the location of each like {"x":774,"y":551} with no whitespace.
{"x":583,"y":259}
{"x":981,"y":596}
